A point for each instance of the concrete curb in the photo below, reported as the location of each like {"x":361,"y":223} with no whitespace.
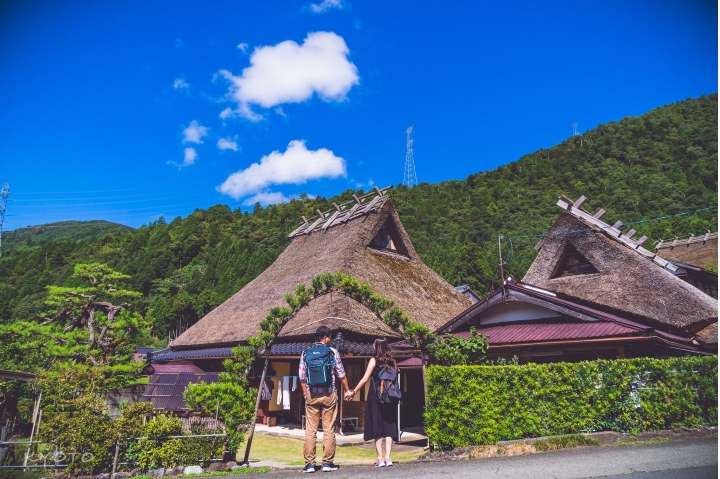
{"x":612,"y":437}
{"x":604,"y":438}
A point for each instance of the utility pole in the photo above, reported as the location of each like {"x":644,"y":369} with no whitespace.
{"x":410,"y":176}
{"x":4,"y":193}
{"x":574,"y":129}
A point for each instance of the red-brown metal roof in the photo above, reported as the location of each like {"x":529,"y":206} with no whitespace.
{"x":176,"y":367}
{"x":165,"y":390}
{"x":539,"y":332}
{"x":526,"y":333}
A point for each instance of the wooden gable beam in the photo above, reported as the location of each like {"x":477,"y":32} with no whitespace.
{"x":371,"y":204}
{"x":350,"y":213}
{"x":614,"y":230}
{"x":312,"y":226}
{"x":330,"y":221}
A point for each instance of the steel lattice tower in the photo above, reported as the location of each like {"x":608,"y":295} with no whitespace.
{"x":4,"y":193}
{"x":410,"y":176}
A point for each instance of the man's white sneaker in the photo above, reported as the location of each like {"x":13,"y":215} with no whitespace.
{"x":330,"y":467}
{"x":309,"y":468}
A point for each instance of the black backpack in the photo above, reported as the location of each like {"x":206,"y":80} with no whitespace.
{"x":386,"y":389}
{"x":320,"y":360}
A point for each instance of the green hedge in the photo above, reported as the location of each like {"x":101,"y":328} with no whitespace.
{"x":474,"y":405}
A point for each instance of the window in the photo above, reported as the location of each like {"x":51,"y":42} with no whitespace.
{"x":707,"y":288}
{"x":572,"y":263}
{"x":389,"y":239}
{"x":383,"y":240}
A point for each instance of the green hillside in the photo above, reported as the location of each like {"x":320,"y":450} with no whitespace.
{"x":59,"y":231}
{"x":660,"y":163}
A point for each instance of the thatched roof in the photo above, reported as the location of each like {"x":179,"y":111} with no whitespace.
{"x":709,"y":335}
{"x":616,"y":276}
{"x":700,"y":250}
{"x":335,"y":244}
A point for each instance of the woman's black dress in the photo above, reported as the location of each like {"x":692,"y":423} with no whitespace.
{"x":380,"y":419}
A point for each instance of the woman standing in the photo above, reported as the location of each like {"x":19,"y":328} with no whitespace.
{"x":380,"y":418}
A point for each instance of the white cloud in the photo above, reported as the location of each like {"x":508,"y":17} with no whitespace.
{"x":280,"y":111}
{"x":370,"y":183}
{"x":194,"y":133}
{"x":292,"y":73}
{"x":243,"y":47}
{"x":265,"y":198}
{"x":227,"y":144}
{"x":243,"y":110}
{"x":296,"y":165}
{"x":180,"y":84}
{"x":325,"y":5}
{"x":190,"y":157}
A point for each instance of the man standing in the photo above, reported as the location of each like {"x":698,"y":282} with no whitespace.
{"x":319,"y":364}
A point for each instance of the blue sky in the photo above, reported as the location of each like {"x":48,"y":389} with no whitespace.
{"x":126,"y":111}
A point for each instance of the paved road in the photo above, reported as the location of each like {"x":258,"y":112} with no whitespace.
{"x":696,"y":458}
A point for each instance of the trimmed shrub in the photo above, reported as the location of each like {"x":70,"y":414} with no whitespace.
{"x":477,"y":405}
{"x":158,"y":450}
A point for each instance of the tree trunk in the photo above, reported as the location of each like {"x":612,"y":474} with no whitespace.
{"x":425,"y":389}
{"x":246,"y":460}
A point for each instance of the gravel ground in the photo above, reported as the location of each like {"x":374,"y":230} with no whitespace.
{"x":676,"y":459}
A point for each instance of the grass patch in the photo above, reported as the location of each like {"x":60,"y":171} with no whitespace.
{"x":245,"y":470}
{"x":562,"y":442}
{"x":289,"y":451}
{"x":631,"y":442}
{"x":19,"y":474}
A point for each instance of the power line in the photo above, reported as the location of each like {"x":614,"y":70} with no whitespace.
{"x":410,"y":175}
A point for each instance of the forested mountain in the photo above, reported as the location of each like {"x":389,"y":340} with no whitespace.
{"x":59,"y":231}
{"x":661,"y":163}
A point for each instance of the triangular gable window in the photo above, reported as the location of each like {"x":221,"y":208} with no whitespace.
{"x":572,"y":263}
{"x":389,"y":239}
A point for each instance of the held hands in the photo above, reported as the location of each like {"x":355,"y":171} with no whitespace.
{"x":349,"y":395}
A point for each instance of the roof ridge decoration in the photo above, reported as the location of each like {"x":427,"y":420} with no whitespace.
{"x":686,"y":240}
{"x":342,"y":213}
{"x":576,"y":210}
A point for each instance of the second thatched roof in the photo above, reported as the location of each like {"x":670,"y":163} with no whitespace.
{"x":611,"y":273}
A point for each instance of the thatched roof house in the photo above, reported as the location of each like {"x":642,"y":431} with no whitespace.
{"x":587,"y":260}
{"x":363,"y":238}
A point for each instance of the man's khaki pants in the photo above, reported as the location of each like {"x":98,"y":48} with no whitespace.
{"x":317,"y":406}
